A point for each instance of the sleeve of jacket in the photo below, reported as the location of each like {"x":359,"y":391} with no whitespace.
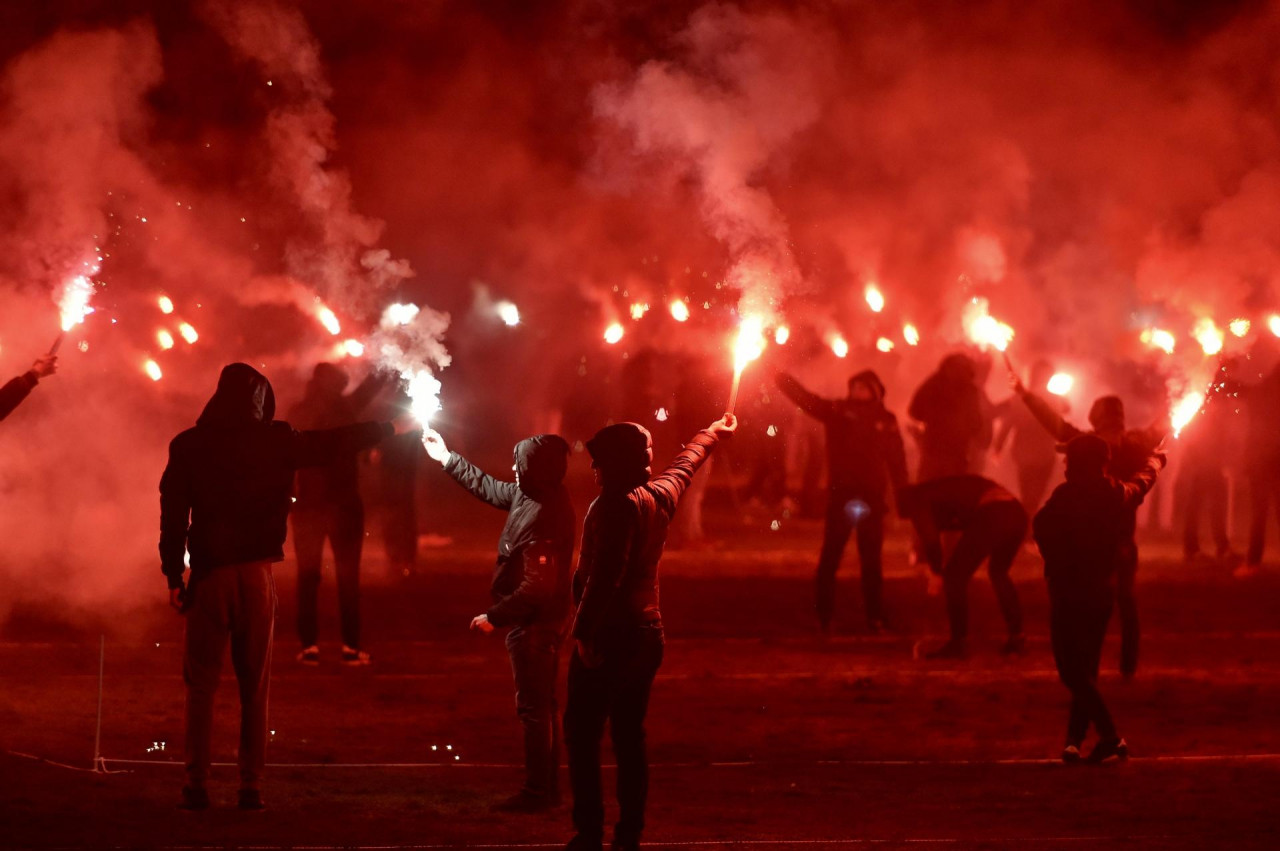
{"x":320,"y":447}
{"x":1053,"y":422}
{"x":669,"y":485}
{"x":360,"y":398}
{"x":537,"y":587}
{"x":12,"y":394}
{"x":811,"y":403}
{"x":616,"y":521}
{"x":496,"y":492}
{"x":175,"y":515}
{"x":1137,"y":486}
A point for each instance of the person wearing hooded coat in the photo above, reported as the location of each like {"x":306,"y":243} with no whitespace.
{"x":328,"y":506}
{"x":17,"y":389}
{"x":1083,"y":532}
{"x":617,"y":628}
{"x":224,"y":500}
{"x":954,"y":420}
{"x":530,"y":592}
{"x":865,"y":457}
{"x":1129,"y":451}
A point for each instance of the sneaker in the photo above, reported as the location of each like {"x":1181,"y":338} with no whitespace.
{"x":1071,"y":755}
{"x":1246,"y":571}
{"x":525,"y":802}
{"x":1107,"y":750}
{"x":352,"y":656}
{"x":250,"y":799}
{"x":310,"y":656}
{"x":953,"y":649}
{"x":194,"y":799}
{"x":1014,"y":645}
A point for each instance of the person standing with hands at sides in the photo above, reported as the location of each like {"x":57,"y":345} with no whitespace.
{"x":14,"y":391}
{"x":224,"y":500}
{"x":1082,"y":532}
{"x":617,"y":629}
{"x":530,"y":592}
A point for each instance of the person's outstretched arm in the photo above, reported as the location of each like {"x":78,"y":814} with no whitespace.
{"x":373,"y":383}
{"x":811,"y":403}
{"x":1053,"y":422}
{"x":1135,"y":488}
{"x":323,"y":446}
{"x":496,"y":492}
{"x":175,"y":519}
{"x":12,"y":394}
{"x":669,"y":485}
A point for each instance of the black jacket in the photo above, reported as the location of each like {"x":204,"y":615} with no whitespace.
{"x":864,"y":445}
{"x":535,"y":552}
{"x":616,"y":584}
{"x":224,"y":496}
{"x":325,"y":406}
{"x":954,"y":415}
{"x":12,"y":394}
{"x":1082,"y":530}
{"x":950,"y":504}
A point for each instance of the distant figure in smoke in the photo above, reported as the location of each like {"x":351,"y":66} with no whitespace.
{"x":1204,"y":469}
{"x":530,"y":592}
{"x":992,"y":524}
{"x":224,"y":498}
{"x":1262,"y":456}
{"x":1084,"y":532}
{"x":618,"y":628}
{"x":864,"y":457}
{"x":397,"y":480}
{"x":955,"y":426}
{"x":12,"y":394}
{"x":1129,"y":451}
{"x":1032,"y":449}
{"x":329,"y":507}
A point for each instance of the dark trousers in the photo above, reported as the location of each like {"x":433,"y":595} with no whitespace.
{"x":1127,"y":607}
{"x":236,"y":602}
{"x":1077,"y":632}
{"x":1207,"y":494}
{"x":1033,"y":482}
{"x":996,"y":533}
{"x":617,"y":691}
{"x":1264,"y":494}
{"x":535,"y":662}
{"x":847,"y":512}
{"x":343,"y":526}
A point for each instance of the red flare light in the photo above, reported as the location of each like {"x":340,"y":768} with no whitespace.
{"x":152,"y":369}
{"x":613,"y":333}
{"x":679,"y":311}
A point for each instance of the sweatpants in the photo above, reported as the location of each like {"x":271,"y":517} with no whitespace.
{"x":1077,"y":632}
{"x":996,"y":533}
{"x":343,"y":526}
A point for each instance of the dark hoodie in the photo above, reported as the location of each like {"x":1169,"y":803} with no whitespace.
{"x":324,"y":405}
{"x":12,"y":394}
{"x":864,"y":444}
{"x":616,"y":583}
{"x":224,"y":496}
{"x":1084,"y":526}
{"x":956,"y":422}
{"x":535,"y":552}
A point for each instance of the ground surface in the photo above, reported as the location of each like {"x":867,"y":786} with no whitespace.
{"x":762,"y":736}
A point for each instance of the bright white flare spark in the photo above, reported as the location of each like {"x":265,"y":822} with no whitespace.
{"x":152,"y":369}
{"x":165,"y":339}
{"x":1240,"y":327}
{"x":613,"y":333}
{"x":399,"y":314}
{"x":166,"y":304}
{"x":875,"y":298}
{"x":508,"y":313}
{"x":73,"y":302}
{"x":679,"y":311}
{"x":1158,"y":338}
{"x":839,"y":346}
{"x":1208,"y":335}
{"x":750,"y":343}
{"x":1273,"y":324}
{"x":781,"y":334}
{"x":639,"y":309}
{"x":423,"y":390}
{"x":984,"y":329}
{"x":911,"y":334}
{"x":1184,"y":410}
{"x":329,"y":320}
{"x":353,"y":348}
{"x":1060,"y":384}
{"x":884,"y":344}
{"x":188,"y":332}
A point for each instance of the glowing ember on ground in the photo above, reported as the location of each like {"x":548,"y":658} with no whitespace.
{"x":1060,"y":384}
{"x":985,"y":330}
{"x":911,"y":335}
{"x":1184,"y":410}
{"x":508,"y":313}
{"x":152,"y":369}
{"x":1240,"y":327}
{"x":73,"y":301}
{"x":639,"y":309}
{"x":165,"y":303}
{"x":781,"y":334}
{"x":839,"y":346}
{"x":884,"y":344}
{"x":875,"y":298}
{"x":613,"y":333}
{"x":1158,"y":338}
{"x":1208,"y":335}
{"x":188,"y":332}
{"x":328,"y":319}
{"x":354,"y":348}
{"x":679,"y":311}
{"x":164,"y":338}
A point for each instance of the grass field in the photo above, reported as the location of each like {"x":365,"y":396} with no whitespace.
{"x":762,"y":735}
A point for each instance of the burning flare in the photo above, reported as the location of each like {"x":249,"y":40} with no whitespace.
{"x":884,"y":344}
{"x":1060,"y":384}
{"x":748,"y":346}
{"x":165,"y":339}
{"x":328,"y":319}
{"x":166,"y":304}
{"x":188,"y":332}
{"x":911,"y":334}
{"x":1208,"y":335}
{"x":152,"y":369}
{"x":985,"y":330}
{"x":839,"y":347}
{"x":1158,"y":338}
{"x":613,"y":333}
{"x":423,"y":390}
{"x":875,"y":298}
{"x":781,"y":334}
{"x":353,"y":348}
{"x":1240,"y":327}
{"x":679,"y":311}
{"x":639,"y":309}
{"x":1184,"y":410}
{"x":399,"y":315}
{"x":508,"y":313}
{"x":73,"y":301}
{"x":1273,"y":324}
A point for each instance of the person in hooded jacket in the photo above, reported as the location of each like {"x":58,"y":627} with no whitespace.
{"x":530,"y":592}
{"x":17,"y":389}
{"x":1129,"y":451}
{"x":617,"y":628}
{"x":992,"y":524}
{"x":224,"y":500}
{"x":865,"y":457}
{"x":1083,"y":532}
{"x":955,"y":424}
{"x":1033,"y":450}
{"x":329,"y":507}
